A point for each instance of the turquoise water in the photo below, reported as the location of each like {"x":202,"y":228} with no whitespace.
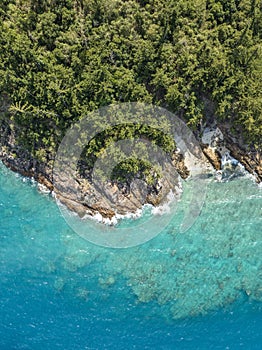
{"x":201,"y":289}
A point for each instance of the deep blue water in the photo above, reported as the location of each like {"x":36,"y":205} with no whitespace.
{"x":199,"y":290}
{"x":35,"y":318}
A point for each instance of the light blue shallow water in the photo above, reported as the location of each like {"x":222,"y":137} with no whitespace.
{"x":198,"y":290}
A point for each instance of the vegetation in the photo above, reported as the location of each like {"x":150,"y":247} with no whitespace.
{"x":60,"y":59}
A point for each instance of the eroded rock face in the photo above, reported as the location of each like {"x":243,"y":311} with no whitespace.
{"x":213,"y":156}
{"x":179,"y":163}
{"x":109,"y":199}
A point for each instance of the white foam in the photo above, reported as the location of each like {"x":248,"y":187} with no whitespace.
{"x":43,"y":189}
{"x":137,"y":214}
{"x":166,"y":207}
{"x":159,"y":210}
{"x":115,"y":219}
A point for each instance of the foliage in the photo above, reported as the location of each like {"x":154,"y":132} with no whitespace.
{"x":61,"y":59}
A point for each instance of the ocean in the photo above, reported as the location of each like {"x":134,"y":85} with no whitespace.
{"x":198,"y":289}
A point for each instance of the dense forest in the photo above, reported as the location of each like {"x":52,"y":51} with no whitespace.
{"x":60,"y":59}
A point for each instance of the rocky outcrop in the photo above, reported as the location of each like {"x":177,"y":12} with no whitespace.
{"x":217,"y":141}
{"x":86,"y":198}
{"x":108,"y":199}
{"x":249,"y":157}
{"x":20,"y":161}
{"x":212,"y":155}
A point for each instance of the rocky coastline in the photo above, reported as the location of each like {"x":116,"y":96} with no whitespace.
{"x":87,"y":199}
{"x":215,"y":142}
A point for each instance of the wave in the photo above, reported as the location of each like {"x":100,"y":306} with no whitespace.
{"x":147,"y":209}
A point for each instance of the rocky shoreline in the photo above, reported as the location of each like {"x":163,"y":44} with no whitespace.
{"x":87,"y":199}
{"x":215,"y":143}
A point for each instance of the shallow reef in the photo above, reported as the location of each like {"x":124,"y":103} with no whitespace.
{"x":213,"y":264}
{"x":216,"y":262}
